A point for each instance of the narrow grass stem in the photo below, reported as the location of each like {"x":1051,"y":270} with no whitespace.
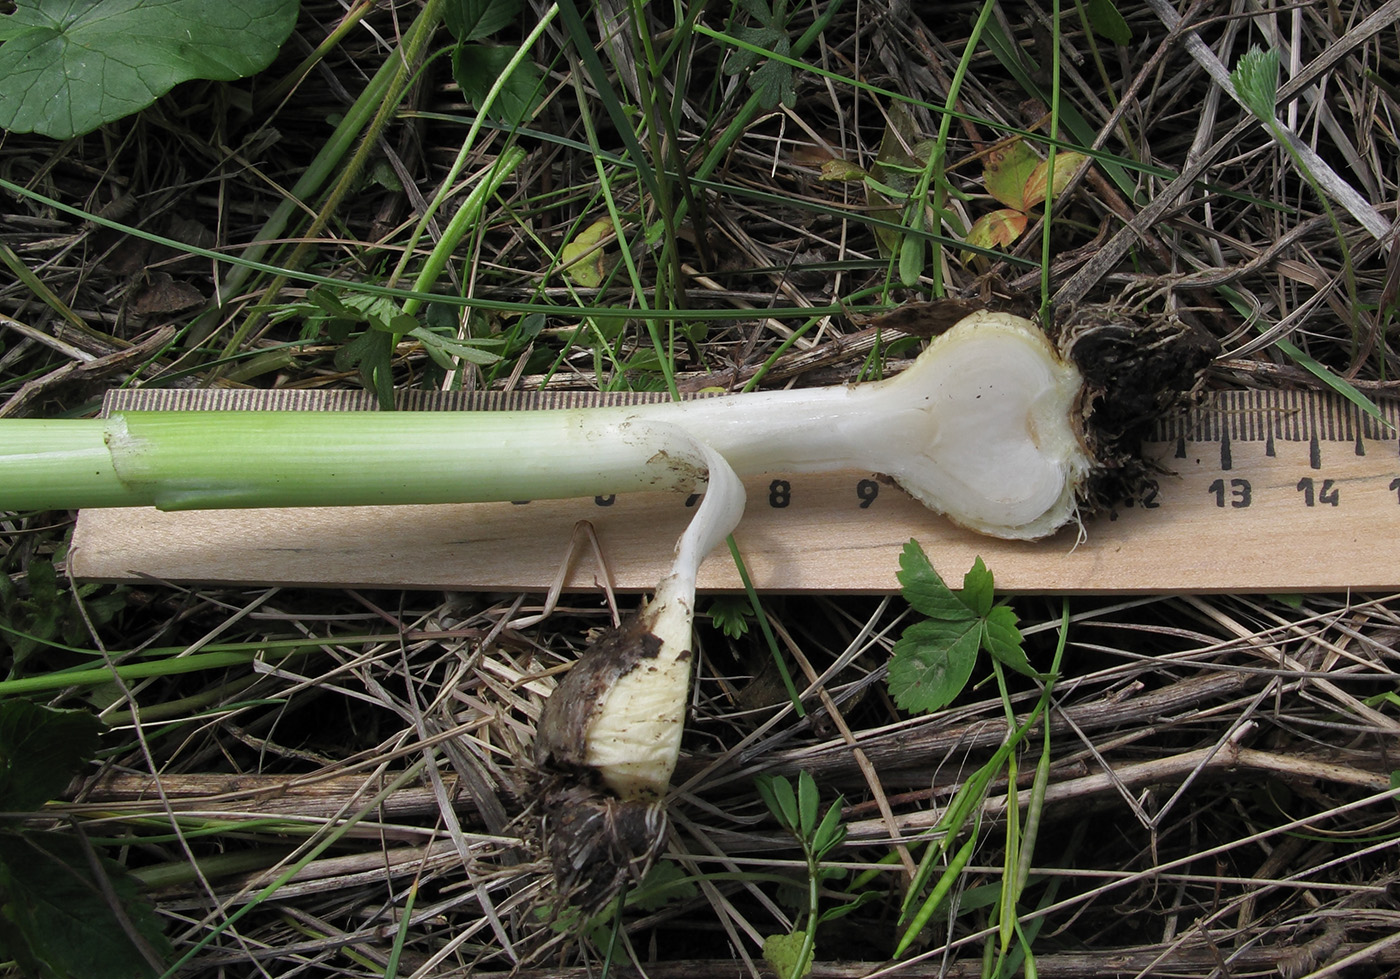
{"x":462,"y":221}
{"x":400,"y":71}
{"x":1049,"y":205}
{"x":449,"y":183}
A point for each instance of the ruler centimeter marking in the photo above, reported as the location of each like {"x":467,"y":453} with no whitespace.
{"x":1261,"y":491}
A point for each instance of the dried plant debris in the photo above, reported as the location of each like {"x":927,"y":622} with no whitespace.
{"x":1137,"y":370}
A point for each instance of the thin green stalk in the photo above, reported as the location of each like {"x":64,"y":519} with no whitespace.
{"x":403,"y":66}
{"x":1050,"y":163}
{"x":282,"y":89}
{"x":308,"y":185}
{"x":96,"y":676}
{"x":465,"y":302}
{"x":448,"y":186}
{"x":462,"y":221}
{"x":933,"y":171}
{"x":766,"y":629}
{"x":391,"y":967}
{"x":624,"y":245}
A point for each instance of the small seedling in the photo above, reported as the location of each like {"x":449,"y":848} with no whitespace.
{"x":798,"y":811}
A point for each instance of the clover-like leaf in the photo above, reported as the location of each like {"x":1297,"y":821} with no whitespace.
{"x":932,"y":662}
{"x":978,"y":586}
{"x":1002,"y":639}
{"x":69,"y":66}
{"x":924,"y":589}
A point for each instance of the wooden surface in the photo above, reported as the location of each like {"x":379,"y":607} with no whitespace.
{"x":1204,"y":532}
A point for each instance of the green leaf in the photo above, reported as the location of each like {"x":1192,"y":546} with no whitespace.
{"x":1256,"y":81}
{"x":783,"y":953}
{"x":665,"y":883}
{"x":476,"y":68}
{"x":1105,"y":19}
{"x":771,"y":81}
{"x":781,"y":801}
{"x":1006,"y":171}
{"x":372,"y":352}
{"x":69,"y":66}
{"x":829,"y":833}
{"x":924,"y":589}
{"x":978,"y":588}
{"x":40,"y":751}
{"x":55,"y":920}
{"x":932,"y":662}
{"x":583,"y":258}
{"x":1002,"y":639}
{"x":834,"y":170}
{"x":808,"y":802}
{"x":912,"y":251}
{"x":730,"y":614}
{"x":471,"y":20}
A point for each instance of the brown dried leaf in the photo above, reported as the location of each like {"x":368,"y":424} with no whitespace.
{"x":162,"y":294}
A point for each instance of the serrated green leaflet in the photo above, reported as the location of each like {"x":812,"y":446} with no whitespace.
{"x":977,"y":590}
{"x":933,"y":661}
{"x":58,"y":920}
{"x":924,"y":589}
{"x":69,"y":66}
{"x":40,"y":752}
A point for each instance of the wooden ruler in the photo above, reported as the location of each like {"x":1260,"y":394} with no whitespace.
{"x":1261,"y":491}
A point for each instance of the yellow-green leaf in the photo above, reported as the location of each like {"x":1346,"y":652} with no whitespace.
{"x":1065,"y":166}
{"x":998,"y":229}
{"x":583,"y":258}
{"x":784,"y":952}
{"x":842,"y":170}
{"x":1006,"y":171}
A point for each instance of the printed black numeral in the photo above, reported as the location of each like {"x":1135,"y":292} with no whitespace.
{"x":1239,"y":493}
{"x":867,"y":490}
{"x":1328,"y":494}
{"x":779,"y":494}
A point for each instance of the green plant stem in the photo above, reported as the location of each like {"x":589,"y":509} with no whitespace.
{"x":275,"y":94}
{"x":462,"y":221}
{"x":933,"y":172}
{"x":448,"y":186}
{"x":398,"y":73}
{"x":766,"y":629}
{"x":1049,"y":205}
